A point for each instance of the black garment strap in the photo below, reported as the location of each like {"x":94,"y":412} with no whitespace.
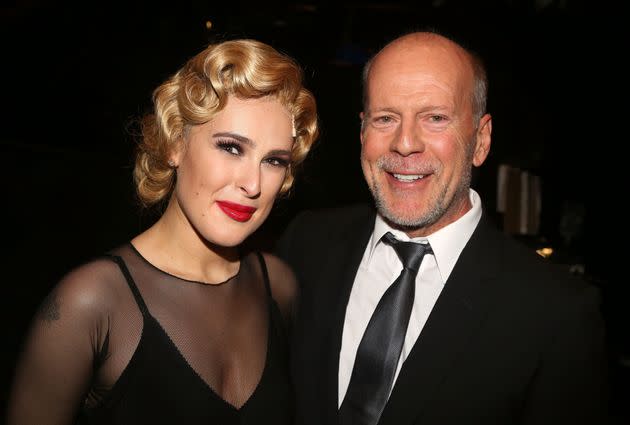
{"x":265,"y":273}
{"x":132,"y":285}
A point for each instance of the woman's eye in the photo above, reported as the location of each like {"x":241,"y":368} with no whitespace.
{"x":230,"y":147}
{"x":277,"y":162}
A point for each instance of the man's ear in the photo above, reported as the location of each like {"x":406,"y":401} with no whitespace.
{"x":362,"y":116}
{"x":483,"y":138}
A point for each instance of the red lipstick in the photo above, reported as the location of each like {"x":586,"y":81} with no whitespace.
{"x":236,"y":212}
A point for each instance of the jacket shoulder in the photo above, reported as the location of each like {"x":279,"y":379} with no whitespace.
{"x":525,"y":269}
{"x":313,"y":230}
{"x":334,"y":218}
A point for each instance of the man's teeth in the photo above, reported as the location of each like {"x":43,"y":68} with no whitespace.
{"x":408,"y":177}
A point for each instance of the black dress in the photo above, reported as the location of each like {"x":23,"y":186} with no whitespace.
{"x":162,"y":350}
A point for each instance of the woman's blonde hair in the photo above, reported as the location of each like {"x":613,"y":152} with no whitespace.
{"x":242,"y":68}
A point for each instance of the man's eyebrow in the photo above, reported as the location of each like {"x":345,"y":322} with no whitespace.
{"x":381,"y":110}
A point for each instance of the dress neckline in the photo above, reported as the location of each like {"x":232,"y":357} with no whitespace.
{"x":151,"y":324}
{"x":198,"y":282}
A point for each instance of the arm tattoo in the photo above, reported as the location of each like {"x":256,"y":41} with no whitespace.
{"x":49,"y":309}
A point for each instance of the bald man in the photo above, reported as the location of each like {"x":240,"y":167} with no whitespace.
{"x":492,"y":334}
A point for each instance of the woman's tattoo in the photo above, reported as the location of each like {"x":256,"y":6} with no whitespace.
{"x":49,"y":309}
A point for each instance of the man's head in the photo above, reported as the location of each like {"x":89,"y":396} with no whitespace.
{"x":423,"y":128}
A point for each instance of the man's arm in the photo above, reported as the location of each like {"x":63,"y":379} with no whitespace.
{"x":571,"y":384}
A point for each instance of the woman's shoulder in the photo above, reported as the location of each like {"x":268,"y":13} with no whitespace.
{"x":282,"y":281}
{"x":90,"y":288}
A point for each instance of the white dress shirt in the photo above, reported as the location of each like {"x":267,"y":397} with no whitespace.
{"x":379,"y":268}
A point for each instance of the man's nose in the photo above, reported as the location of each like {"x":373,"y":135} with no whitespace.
{"x":408,"y":139}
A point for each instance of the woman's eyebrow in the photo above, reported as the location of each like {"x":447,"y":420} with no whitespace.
{"x":238,"y":137}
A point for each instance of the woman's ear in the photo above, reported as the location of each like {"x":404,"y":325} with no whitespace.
{"x":177,"y":151}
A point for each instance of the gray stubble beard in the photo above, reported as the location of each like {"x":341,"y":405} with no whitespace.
{"x":406,"y":224}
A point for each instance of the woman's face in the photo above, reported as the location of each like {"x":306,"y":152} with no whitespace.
{"x":230,"y":169}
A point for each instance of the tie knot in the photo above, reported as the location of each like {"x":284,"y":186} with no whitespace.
{"x":410,"y":253}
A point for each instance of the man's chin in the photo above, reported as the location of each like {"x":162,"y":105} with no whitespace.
{"x":402,"y":220}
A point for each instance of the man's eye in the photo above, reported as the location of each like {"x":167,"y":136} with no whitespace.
{"x":384,"y":121}
{"x":437,"y":118}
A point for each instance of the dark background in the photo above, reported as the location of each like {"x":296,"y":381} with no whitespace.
{"x":74,"y":79}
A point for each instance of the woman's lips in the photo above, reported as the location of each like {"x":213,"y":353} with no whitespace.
{"x":235,"y":211}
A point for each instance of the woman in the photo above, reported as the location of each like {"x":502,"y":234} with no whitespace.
{"x":179,"y":326}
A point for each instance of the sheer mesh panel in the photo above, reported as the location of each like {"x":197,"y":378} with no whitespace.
{"x":89,"y":315}
{"x":89,"y":327}
{"x":220,"y":330}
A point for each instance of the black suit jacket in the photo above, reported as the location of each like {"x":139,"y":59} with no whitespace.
{"x":510,"y":339}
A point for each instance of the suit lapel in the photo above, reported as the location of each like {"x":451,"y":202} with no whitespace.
{"x":457,"y":314}
{"x":343,"y":263}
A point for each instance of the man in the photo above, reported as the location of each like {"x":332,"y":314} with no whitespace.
{"x":494,"y":336}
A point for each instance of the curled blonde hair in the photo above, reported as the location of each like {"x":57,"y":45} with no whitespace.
{"x":200,"y":89}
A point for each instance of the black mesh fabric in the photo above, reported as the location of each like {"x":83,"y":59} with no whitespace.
{"x":120,"y":341}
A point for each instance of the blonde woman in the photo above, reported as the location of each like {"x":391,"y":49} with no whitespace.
{"x":178,"y":325}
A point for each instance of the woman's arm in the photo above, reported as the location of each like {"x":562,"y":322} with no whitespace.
{"x":55,"y":369}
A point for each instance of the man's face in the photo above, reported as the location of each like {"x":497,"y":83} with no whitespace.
{"x":418,"y":138}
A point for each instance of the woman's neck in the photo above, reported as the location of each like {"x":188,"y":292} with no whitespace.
{"x":173,"y":245}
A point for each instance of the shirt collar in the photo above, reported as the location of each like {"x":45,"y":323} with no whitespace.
{"x":447,"y":243}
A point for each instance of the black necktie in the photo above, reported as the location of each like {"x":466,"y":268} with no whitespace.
{"x":380,"y":347}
